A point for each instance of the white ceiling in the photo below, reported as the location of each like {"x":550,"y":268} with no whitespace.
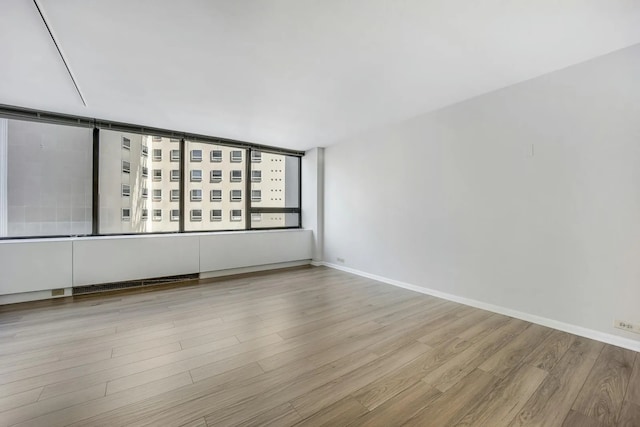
{"x":291,"y":73}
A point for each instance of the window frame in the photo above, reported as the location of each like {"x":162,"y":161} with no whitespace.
{"x":237,"y":198}
{"x":216,"y":159}
{"x":174,"y":155}
{"x":235,"y":218}
{"x":215,"y":199}
{"x":193,"y":217}
{"x":195,"y":158}
{"x":215,"y":178}
{"x":193,"y":177}
{"x":234,"y":159}
{"x":213,"y":217}
{"x":251,"y":153}
{"x":195,"y":195}
{"x":233,"y":178}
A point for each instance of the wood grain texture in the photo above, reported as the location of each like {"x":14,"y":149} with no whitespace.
{"x":633,"y":391}
{"x":629,"y":415}
{"x":604,"y":390}
{"x":304,"y":347}
{"x":552,"y":401}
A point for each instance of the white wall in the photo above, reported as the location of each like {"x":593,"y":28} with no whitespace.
{"x":458,"y":201}
{"x":313,"y":198}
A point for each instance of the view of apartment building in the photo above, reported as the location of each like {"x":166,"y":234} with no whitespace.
{"x":140,"y":180}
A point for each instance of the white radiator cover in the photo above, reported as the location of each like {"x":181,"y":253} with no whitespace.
{"x":42,"y":264}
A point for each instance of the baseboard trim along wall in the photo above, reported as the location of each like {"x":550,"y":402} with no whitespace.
{"x":33,"y":296}
{"x":543,"y":321}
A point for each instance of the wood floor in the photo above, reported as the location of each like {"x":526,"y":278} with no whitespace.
{"x":310,"y":346}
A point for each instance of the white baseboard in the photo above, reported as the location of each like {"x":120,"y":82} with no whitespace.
{"x":555,"y":324}
{"x":32,"y":296}
{"x":253,"y":268}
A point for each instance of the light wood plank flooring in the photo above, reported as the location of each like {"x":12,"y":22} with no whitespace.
{"x":307,"y":346}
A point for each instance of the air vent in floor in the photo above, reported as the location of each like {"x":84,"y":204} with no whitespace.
{"x":90,"y":289}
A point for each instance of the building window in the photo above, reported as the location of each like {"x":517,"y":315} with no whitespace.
{"x":216,"y":155}
{"x":157,"y":154}
{"x":236,"y":175}
{"x":175,"y":215}
{"x":196,"y":155}
{"x":216,"y":175}
{"x":145,"y":151}
{"x":196,"y":175}
{"x":175,"y":174}
{"x":126,"y":167}
{"x":145,"y":214}
{"x":216,"y":214}
{"x":236,"y":214}
{"x":256,"y":217}
{"x":256,"y":156}
{"x":126,"y":214}
{"x":236,"y":195}
{"x":256,"y":195}
{"x":216,"y":195}
{"x":157,"y":194}
{"x":175,"y":195}
{"x":126,"y":190}
{"x":156,"y":138}
{"x":174,"y":155}
{"x":196,"y":214}
{"x":196,"y":195}
{"x":126,"y":143}
{"x":256,"y":176}
{"x":145,"y":192}
{"x":157,"y":214}
{"x":174,"y":139}
{"x":145,"y":171}
{"x":236,"y":156}
{"x":157,"y":174}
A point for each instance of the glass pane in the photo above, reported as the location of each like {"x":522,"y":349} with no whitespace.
{"x":273,"y":220}
{"x":215,"y":187}
{"x":125,"y":163}
{"x":48,"y":171}
{"x":274,"y":180}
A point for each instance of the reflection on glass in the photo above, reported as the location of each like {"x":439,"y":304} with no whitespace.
{"x":48,"y":172}
{"x":267,"y":220}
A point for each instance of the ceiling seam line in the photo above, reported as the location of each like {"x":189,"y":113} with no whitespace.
{"x":35,"y":2}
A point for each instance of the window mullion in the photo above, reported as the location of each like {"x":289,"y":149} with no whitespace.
{"x":247,"y":190}
{"x":183,"y":184}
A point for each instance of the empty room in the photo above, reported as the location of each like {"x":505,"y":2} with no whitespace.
{"x":319,"y":213}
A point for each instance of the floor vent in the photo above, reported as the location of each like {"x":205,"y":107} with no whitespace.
{"x":90,"y":289}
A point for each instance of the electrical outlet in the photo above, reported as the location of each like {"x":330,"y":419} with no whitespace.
{"x":340,"y":260}
{"x":627,"y":326}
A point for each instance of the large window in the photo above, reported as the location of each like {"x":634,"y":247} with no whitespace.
{"x":222,"y":192}
{"x":142,"y":183}
{"x":136,"y":184}
{"x":275,"y":190}
{"x":48,"y":174}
